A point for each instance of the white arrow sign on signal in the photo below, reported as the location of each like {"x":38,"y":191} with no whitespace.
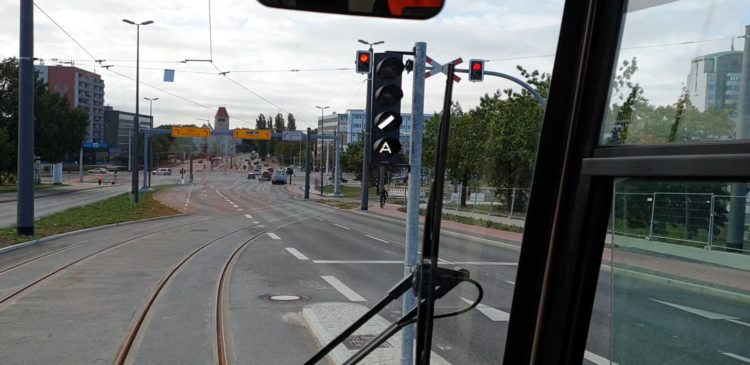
{"x":384,"y":124}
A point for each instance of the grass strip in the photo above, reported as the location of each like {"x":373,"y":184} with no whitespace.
{"x":474,"y":221}
{"x":117,"y":209}
{"x":12,"y":188}
{"x":339,"y":204}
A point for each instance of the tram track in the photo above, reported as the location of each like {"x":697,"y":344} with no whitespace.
{"x":137,"y":328}
{"x":39,"y":280}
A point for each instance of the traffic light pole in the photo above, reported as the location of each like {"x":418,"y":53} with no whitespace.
{"x":412,"y":202}
{"x":308,"y":163}
{"x":367,"y":148}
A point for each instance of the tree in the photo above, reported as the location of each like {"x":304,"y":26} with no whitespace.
{"x":291,"y":123}
{"x":58,"y":128}
{"x":7,"y":157}
{"x":278,"y":123}
{"x":260,"y":122}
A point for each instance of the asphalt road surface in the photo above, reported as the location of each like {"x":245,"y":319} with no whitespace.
{"x":197,"y":289}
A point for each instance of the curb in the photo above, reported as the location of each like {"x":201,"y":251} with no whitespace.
{"x":85,"y":230}
{"x":336,"y":355}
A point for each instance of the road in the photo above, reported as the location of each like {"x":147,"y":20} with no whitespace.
{"x":50,"y":201}
{"x":197,"y":289}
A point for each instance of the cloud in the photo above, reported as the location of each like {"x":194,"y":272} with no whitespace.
{"x":248,"y":36}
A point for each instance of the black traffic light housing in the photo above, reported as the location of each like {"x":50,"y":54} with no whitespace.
{"x":386,"y":106}
{"x":363,"y":62}
{"x":476,"y":70}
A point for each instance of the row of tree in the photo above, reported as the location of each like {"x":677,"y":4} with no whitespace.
{"x":59,"y":129}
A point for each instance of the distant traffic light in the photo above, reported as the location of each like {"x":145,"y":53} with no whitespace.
{"x":476,"y":70}
{"x":363,"y":62}
{"x":386,"y":106}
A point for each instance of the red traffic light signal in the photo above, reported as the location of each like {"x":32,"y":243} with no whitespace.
{"x":476,"y":70}
{"x":363,"y":62}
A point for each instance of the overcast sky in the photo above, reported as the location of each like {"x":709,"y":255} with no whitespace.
{"x":249,"y":37}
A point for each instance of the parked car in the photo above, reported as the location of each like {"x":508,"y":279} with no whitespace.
{"x":162,"y":171}
{"x":279,"y":179}
{"x":98,"y":170}
{"x":251,"y":176}
{"x":265,"y":176}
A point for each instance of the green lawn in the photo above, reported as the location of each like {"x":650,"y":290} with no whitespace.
{"x":351,"y":191}
{"x":114,"y":210}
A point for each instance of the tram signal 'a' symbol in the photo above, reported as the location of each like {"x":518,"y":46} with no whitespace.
{"x":386,"y":106}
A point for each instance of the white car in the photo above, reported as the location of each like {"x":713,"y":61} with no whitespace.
{"x":162,"y":171}
{"x":98,"y":170}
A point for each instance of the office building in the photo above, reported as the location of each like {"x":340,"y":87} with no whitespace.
{"x":83,"y":89}
{"x":119,"y":129}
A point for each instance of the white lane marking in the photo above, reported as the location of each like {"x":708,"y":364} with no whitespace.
{"x":239,"y":209}
{"x":248,"y":216}
{"x":343,"y":289}
{"x":735,"y":356}
{"x":511,"y":282}
{"x":696,"y":311}
{"x":377,"y":239}
{"x":260,"y":225}
{"x":255,"y":222}
{"x":235,"y":205}
{"x":296,"y":253}
{"x":596,"y":359}
{"x":344,"y":227}
{"x":357,"y":262}
{"x":273,"y":235}
{"x":318,"y":218}
{"x":739,"y":322}
{"x":493,"y":314}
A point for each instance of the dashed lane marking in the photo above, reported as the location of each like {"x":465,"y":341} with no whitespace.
{"x":248,"y":216}
{"x":343,"y":289}
{"x":376,"y":239}
{"x":596,"y":359}
{"x":735,"y":356}
{"x":296,"y":253}
{"x":273,"y":235}
{"x":344,"y":227}
{"x":493,"y":314}
{"x":358,"y":261}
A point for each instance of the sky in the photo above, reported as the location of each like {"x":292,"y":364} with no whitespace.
{"x":259,"y":46}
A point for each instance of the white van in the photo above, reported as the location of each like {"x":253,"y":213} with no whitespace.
{"x":162,"y":171}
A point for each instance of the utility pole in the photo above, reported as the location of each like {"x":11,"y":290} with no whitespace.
{"x":738,"y":204}
{"x":308,"y":163}
{"x":320,"y":132}
{"x":25,"y":163}
{"x":412,"y":202}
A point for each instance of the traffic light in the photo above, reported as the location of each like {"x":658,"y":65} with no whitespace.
{"x":363,"y":62}
{"x":476,"y":70}
{"x":386,"y":106}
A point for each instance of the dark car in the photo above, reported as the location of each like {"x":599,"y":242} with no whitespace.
{"x":265,"y":176}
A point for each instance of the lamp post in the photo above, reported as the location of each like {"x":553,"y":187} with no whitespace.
{"x":322,"y":108}
{"x":147,"y":146}
{"x":136,"y":121}
{"x":367,"y":128}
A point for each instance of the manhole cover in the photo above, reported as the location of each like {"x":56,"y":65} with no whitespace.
{"x":356,"y":342}
{"x":283,"y":297}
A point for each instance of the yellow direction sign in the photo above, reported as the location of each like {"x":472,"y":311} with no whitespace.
{"x":191,"y":132}
{"x":252,"y":134}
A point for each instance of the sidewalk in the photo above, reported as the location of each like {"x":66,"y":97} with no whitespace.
{"x":678,"y":268}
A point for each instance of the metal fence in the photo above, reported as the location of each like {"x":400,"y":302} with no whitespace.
{"x":694,"y":219}
{"x":511,"y":203}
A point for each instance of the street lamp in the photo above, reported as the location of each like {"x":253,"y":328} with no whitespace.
{"x":367,"y":128}
{"x":136,"y":121}
{"x":322,"y":108}
{"x":147,"y":146}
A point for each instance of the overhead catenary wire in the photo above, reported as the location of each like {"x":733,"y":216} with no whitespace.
{"x":125,"y":76}
{"x":623,"y":48}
